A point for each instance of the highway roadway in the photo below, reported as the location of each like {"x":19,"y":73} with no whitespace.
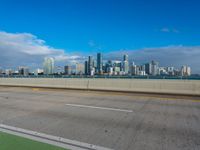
{"x":120,"y":121}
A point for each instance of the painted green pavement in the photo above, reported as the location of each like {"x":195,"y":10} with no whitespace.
{"x":12,"y":142}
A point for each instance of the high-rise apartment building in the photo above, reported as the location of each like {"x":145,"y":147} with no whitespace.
{"x":48,"y":66}
{"x":148,"y":68}
{"x":154,"y":68}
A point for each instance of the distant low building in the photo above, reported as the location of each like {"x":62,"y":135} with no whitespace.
{"x":110,"y":70}
{"x":79,"y":69}
{"x":67,"y":70}
{"x":116,"y":70}
{"x":92,"y":71}
{"x":163,"y":71}
{"x":185,"y":71}
{"x":1,"y":71}
{"x":24,"y":71}
{"x":133,"y":69}
{"x":8,"y":72}
{"x":171,"y":71}
{"x":141,"y":73}
{"x":38,"y":72}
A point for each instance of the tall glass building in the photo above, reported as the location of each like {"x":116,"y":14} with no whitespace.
{"x":48,"y":66}
{"x":90,"y":64}
{"x":125,"y":64}
{"x":99,"y":63}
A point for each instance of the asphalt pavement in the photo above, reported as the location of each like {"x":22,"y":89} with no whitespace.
{"x":121,"y":121}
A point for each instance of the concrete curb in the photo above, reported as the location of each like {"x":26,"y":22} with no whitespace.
{"x":49,"y":139}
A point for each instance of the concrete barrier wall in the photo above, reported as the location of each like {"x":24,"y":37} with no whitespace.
{"x":188,"y":87}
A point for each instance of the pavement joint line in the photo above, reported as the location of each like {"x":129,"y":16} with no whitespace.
{"x":162,"y":98}
{"x":103,"y":108}
{"x":50,"y":139}
{"x":172,"y":99}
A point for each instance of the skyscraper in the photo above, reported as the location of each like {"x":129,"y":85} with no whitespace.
{"x":86,"y":68}
{"x":90,"y":64}
{"x":99,"y":63}
{"x":48,"y":65}
{"x":125,"y":64}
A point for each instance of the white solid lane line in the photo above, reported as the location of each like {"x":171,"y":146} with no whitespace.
{"x":104,"y":108}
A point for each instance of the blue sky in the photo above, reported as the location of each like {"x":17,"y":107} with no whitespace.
{"x":105,"y":25}
{"x":71,"y":29}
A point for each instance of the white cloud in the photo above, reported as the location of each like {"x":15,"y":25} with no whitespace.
{"x":175,"y":31}
{"x":65,"y":57}
{"x":165,"y":30}
{"x":25,"y":48}
{"x":91,"y":43}
{"x":169,"y":30}
{"x":167,"y":56}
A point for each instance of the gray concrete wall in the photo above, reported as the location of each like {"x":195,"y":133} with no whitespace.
{"x":188,"y":87}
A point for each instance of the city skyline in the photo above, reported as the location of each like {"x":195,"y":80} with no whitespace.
{"x":98,"y":66}
{"x":69,"y":31}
